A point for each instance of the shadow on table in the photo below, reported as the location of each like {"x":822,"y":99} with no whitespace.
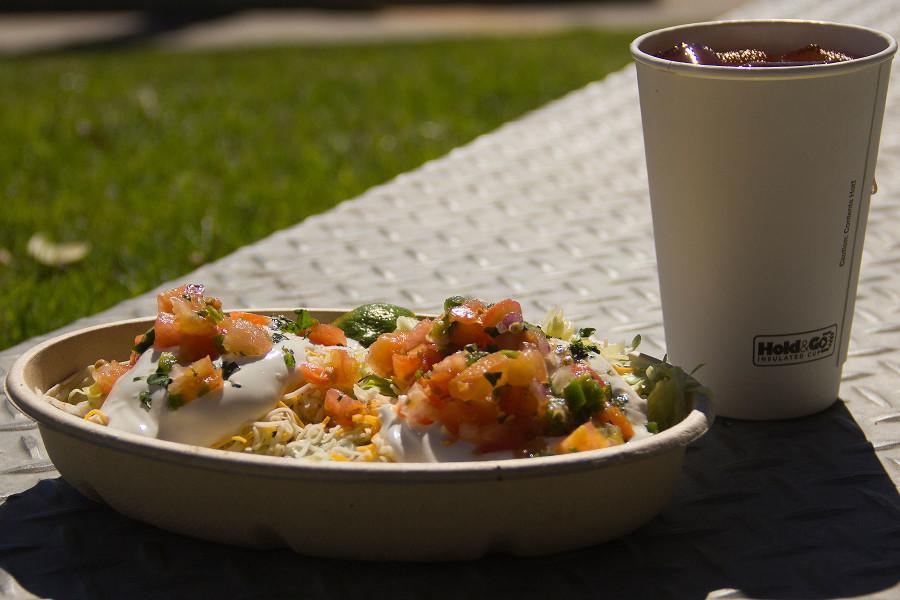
{"x":798,"y":509}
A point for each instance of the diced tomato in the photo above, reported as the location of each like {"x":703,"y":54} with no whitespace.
{"x":262,"y":320}
{"x":585,"y":437}
{"x":341,"y":407}
{"x":508,"y":435}
{"x":165,"y":330}
{"x":614,"y":415}
{"x":461,"y":417}
{"x":518,"y":401}
{"x":164,"y":299}
{"x":469,"y":312}
{"x":418,"y":335}
{"x":445,"y":370}
{"x":193,"y":381}
{"x":245,"y":337}
{"x":520,"y":369}
{"x":107,"y":375}
{"x":499,"y":310}
{"x":314,"y":374}
{"x":194,"y":347}
{"x":404,"y":367}
{"x":429,"y":355}
{"x":191,"y":347}
{"x":451,"y":365}
{"x":327,"y":335}
{"x":344,"y":369}
{"x":189,"y":319}
{"x":381,"y":351}
{"x":452,"y":415}
{"x":462,"y":334}
{"x":191,"y":292}
{"x":479,"y":380}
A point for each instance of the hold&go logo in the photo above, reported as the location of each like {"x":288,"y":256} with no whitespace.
{"x":792,"y":348}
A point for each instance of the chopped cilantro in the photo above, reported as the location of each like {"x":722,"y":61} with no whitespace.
{"x":289,"y":360}
{"x":510,"y":353}
{"x":586,"y":332}
{"x":146,"y":341}
{"x":278,"y":337}
{"x":161,"y":376}
{"x":493,"y":378}
{"x":229,"y":368}
{"x":219,"y":341}
{"x":418,"y":374}
{"x":286,"y":325}
{"x":581,"y":349}
{"x":453,"y":301}
{"x":636,"y":342}
{"x":304,"y":319}
{"x":138,"y":378}
{"x":158,"y":378}
{"x":146,"y":400}
{"x":175,"y":401}
{"x":652,"y":426}
{"x":471,"y":347}
{"x":383,"y":385}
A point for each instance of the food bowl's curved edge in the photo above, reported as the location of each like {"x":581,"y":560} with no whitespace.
{"x":32,"y":403}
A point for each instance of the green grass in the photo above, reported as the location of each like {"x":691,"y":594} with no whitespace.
{"x":166,"y":161}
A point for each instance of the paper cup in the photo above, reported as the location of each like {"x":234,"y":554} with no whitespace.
{"x":759,"y":183}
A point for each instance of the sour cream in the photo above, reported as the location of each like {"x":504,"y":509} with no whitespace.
{"x":429,"y":444}
{"x":249,"y":393}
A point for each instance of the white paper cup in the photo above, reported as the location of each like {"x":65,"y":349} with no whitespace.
{"x":759,"y":183}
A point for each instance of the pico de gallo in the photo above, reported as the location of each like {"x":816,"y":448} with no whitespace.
{"x":476,"y":382}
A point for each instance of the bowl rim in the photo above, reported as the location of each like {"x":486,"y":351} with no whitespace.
{"x":33,"y":404}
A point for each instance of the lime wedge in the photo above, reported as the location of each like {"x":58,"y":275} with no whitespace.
{"x":365,"y":323}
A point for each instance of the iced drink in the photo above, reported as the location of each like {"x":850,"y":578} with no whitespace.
{"x":761,"y":140}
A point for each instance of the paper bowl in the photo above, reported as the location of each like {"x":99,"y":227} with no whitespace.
{"x":367,"y":511}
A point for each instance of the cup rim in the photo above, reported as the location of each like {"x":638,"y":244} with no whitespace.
{"x":786,"y":72}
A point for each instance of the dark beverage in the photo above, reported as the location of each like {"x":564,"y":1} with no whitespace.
{"x":697,"y":54}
